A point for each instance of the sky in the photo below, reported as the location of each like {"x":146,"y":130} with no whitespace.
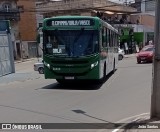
{"x":122,"y":1}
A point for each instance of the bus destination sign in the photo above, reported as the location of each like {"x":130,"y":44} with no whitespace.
{"x":83,"y":22}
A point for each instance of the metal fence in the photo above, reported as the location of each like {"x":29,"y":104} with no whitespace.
{"x":6,"y":54}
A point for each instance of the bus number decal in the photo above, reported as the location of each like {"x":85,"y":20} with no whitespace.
{"x":57,"y":51}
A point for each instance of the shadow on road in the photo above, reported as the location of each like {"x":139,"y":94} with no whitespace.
{"x":104,"y":123}
{"x":78,"y":85}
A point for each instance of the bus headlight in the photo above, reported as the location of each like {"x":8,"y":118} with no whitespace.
{"x":47,"y":65}
{"x":94,"y":64}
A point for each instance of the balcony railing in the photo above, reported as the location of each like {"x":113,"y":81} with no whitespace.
{"x":14,"y":17}
{"x":10,"y":14}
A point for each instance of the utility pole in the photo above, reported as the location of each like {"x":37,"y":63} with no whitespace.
{"x":155,"y":95}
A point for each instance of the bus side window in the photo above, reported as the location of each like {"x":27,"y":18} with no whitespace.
{"x":116,"y":40}
{"x":112,"y":39}
{"x":107,"y":38}
{"x":110,"y":42}
{"x":104,"y":37}
{"x":95,"y":43}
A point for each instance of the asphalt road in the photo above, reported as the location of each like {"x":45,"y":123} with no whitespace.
{"x":124,"y":94}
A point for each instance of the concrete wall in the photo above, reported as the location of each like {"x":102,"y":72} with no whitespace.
{"x":144,"y":19}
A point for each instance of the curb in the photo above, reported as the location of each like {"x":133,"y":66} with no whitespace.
{"x":133,"y":119}
{"x":129,"y":124}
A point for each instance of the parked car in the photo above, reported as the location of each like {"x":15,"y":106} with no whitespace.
{"x":120,"y":54}
{"x":39,"y":66}
{"x":146,"y":54}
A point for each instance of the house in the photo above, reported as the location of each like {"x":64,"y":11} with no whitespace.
{"x":9,"y":18}
{"x":9,"y":10}
{"x":27,"y":29}
{"x":79,"y":7}
{"x":146,"y":17}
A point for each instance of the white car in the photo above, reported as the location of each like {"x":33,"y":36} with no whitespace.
{"x":120,"y":54}
{"x":39,"y":66}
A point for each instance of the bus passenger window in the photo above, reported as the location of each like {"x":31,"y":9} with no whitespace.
{"x":104,"y":37}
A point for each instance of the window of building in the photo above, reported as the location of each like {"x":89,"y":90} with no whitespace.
{"x":7,"y":6}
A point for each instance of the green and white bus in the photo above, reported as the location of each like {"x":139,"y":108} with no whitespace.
{"x":79,"y":48}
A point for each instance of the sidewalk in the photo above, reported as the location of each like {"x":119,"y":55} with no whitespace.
{"x":20,"y":76}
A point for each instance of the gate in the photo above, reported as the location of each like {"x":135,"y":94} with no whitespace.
{"x":32,"y":49}
{"x":6,"y":53}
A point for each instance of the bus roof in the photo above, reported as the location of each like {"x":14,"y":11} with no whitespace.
{"x":71,"y":17}
{"x":109,"y":26}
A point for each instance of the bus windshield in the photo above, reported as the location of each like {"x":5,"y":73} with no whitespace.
{"x":71,"y":43}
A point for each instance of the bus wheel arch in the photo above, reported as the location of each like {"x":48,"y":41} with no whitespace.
{"x":101,"y":80}
{"x":114,"y":65}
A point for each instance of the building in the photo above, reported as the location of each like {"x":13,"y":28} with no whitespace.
{"x":140,"y":28}
{"x":80,"y":7}
{"x":50,"y":8}
{"x":9,"y":18}
{"x":10,"y":11}
{"x":146,"y":17}
{"x":27,"y":30}
{"x":39,"y":16}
